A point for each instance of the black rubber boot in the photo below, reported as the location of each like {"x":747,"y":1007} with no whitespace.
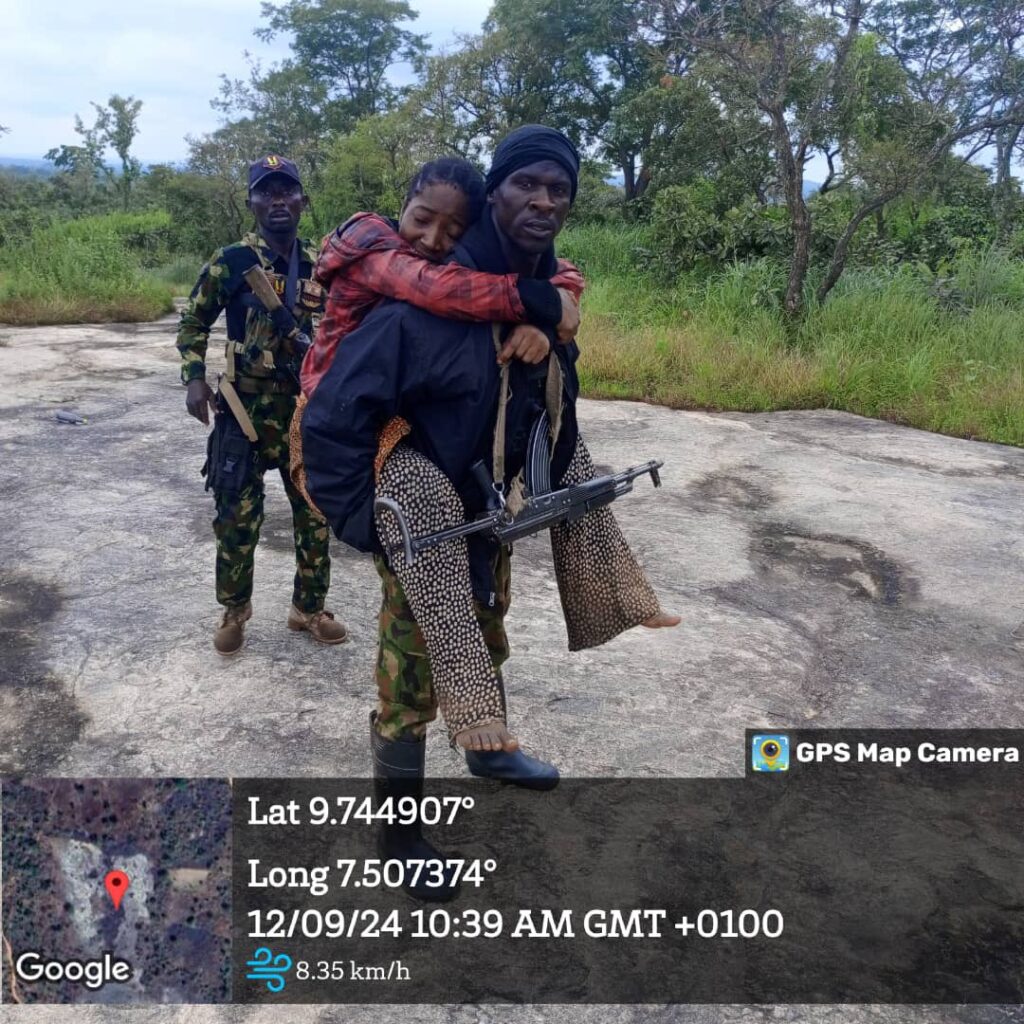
{"x":398,"y":772}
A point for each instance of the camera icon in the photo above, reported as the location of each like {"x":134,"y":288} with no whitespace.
{"x":770,"y":753}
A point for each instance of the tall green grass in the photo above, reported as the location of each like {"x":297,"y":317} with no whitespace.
{"x":943,"y":352}
{"x":89,"y":270}
{"x":179,"y":273}
{"x":939,"y":350}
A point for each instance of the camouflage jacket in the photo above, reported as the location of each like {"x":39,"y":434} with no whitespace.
{"x":222,"y":286}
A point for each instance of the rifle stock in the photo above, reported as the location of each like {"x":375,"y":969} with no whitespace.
{"x":282,"y":317}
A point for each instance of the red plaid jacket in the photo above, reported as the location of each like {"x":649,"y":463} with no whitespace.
{"x":366,"y":260}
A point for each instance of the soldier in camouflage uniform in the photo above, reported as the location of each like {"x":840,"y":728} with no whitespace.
{"x":261,"y":383}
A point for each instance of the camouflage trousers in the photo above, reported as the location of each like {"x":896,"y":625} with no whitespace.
{"x":239,"y":518}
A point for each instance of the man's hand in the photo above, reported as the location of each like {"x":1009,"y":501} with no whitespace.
{"x":526,"y":342}
{"x":570,"y":322}
{"x":199,"y":399}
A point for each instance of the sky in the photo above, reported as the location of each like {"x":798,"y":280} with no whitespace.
{"x":59,"y":56}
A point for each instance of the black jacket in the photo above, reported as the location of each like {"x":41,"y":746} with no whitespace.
{"x":440,"y":375}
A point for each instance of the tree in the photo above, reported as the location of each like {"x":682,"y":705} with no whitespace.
{"x":199,"y":221}
{"x":288,"y":109}
{"x":342,"y":51}
{"x":121,"y":127}
{"x":345,"y":48}
{"x":786,"y":59}
{"x":676,"y":132}
{"x":81,"y":171}
{"x":370,"y":168}
{"x":590,"y":59}
{"x":493,"y":83}
{"x":966,"y":58}
{"x":892,"y":104}
{"x":116,"y":125}
{"x":223,"y":157}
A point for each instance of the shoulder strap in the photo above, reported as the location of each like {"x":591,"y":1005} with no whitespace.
{"x":553,"y":403}
{"x":227,"y":389}
{"x":498,"y":451}
{"x":291,"y":284}
{"x":553,"y":396}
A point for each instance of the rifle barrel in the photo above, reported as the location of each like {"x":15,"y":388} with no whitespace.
{"x":540,"y":511}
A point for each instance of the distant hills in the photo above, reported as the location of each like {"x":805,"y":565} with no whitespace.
{"x":27,"y":165}
{"x":43,"y":168}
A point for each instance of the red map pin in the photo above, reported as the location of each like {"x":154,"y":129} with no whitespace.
{"x":116,"y":884}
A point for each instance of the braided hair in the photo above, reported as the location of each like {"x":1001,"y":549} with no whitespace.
{"x":454,"y":171}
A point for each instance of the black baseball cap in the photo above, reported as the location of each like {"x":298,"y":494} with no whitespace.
{"x":269,"y":165}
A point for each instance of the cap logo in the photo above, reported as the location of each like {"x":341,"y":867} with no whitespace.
{"x":272,"y":161}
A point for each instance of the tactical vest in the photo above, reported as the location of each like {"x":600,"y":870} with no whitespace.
{"x":252,"y":361}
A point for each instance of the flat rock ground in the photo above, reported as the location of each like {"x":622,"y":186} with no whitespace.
{"x":830,"y":570}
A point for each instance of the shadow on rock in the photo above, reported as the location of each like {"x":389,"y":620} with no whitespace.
{"x":39,"y":718}
{"x":858,"y":567}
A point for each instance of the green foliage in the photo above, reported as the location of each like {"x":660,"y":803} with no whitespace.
{"x":146,"y":237}
{"x":942,"y":351}
{"x":571,"y":63}
{"x":26,"y":204}
{"x":597,"y":202}
{"x":341,"y":53}
{"x":89,"y":269}
{"x":83,"y":166}
{"x":691,"y":229}
{"x":122,"y":125}
{"x":680,"y":133}
{"x":685,"y":224}
{"x":368,"y":169}
{"x":206,"y":212}
{"x":605,"y":250}
{"x":694,"y":229}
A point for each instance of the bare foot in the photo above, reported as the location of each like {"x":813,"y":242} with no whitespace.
{"x":661,"y":619}
{"x":489,"y":736}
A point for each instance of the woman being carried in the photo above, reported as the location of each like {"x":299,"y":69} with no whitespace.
{"x":366,"y":260}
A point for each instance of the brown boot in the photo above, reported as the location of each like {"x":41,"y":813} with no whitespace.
{"x":320,"y":625}
{"x":231,"y":632}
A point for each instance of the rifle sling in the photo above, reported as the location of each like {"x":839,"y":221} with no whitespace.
{"x":227,"y":389}
{"x":498,"y":451}
{"x":552,"y":400}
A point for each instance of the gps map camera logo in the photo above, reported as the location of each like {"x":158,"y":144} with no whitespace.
{"x":770,"y":753}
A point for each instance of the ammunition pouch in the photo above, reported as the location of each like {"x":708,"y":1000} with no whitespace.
{"x":230,"y":457}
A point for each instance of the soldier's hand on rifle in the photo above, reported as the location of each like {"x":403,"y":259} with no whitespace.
{"x":199,"y":399}
{"x":526,"y":342}
{"x":570,"y":322}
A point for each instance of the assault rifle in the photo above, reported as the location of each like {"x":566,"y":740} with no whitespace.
{"x":538,"y":512}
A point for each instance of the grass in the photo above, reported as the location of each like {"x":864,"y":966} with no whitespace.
{"x":179,"y":273}
{"x":940,"y":352}
{"x":86,"y":271}
{"x":943,"y":352}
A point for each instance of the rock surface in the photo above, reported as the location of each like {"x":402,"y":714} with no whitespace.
{"x":830,"y":571}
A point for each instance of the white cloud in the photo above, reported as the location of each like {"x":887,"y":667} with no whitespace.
{"x":57,"y":57}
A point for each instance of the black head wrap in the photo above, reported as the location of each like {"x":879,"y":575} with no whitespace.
{"x":528,"y":145}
